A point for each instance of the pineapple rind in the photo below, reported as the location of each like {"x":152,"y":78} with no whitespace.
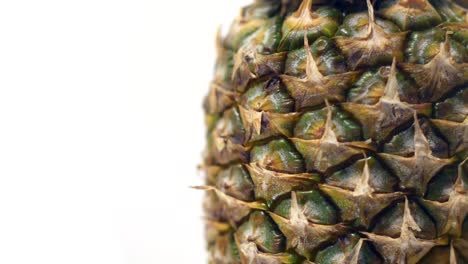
{"x":337,"y":133}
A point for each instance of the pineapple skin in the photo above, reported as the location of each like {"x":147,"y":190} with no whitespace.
{"x":337,"y":133}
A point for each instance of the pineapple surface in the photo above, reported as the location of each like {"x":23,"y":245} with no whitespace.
{"x":337,"y":133}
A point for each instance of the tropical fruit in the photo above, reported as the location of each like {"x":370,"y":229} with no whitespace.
{"x":337,"y":133}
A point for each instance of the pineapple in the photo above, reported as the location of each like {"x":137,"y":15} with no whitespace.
{"x":337,"y":133}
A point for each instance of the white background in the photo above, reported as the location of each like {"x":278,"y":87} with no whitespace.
{"x":101,"y":128}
